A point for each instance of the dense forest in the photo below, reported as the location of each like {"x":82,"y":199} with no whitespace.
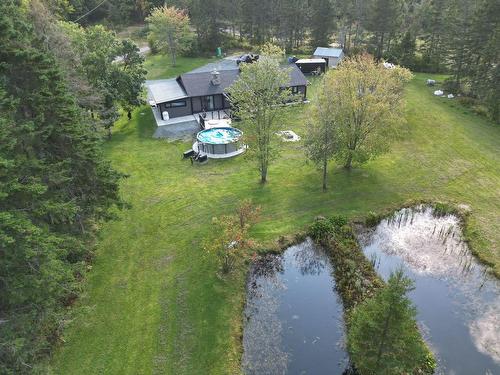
{"x":56,"y":100}
{"x":61,"y":91}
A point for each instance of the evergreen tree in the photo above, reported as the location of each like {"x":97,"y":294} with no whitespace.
{"x":457,"y":18}
{"x":433,"y":34}
{"x":382,"y":339}
{"x":383,"y":20}
{"x":484,"y":46}
{"x":54,"y":186}
{"x":321,"y":23}
{"x":404,"y":52}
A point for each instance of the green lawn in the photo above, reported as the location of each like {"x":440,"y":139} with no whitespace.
{"x":153,"y":303}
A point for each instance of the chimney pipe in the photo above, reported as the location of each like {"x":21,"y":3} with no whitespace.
{"x":215,"y":78}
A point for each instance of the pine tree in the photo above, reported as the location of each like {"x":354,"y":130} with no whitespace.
{"x":382,"y":338}
{"x":484,"y":46}
{"x":458,"y":20}
{"x":321,"y":23}
{"x":54,"y":186}
{"x":383,"y":20}
{"x":405,"y":50}
{"x":433,"y":35}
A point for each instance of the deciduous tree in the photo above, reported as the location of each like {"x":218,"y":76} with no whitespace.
{"x":114,"y":68}
{"x":321,"y":143}
{"x":257,"y":97}
{"x":366,"y":103}
{"x":169,"y":30}
{"x":230,"y":238}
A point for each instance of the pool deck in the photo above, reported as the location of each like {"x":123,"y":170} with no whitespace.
{"x":185,"y":126}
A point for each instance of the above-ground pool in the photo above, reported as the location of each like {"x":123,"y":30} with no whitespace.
{"x":221,"y":142}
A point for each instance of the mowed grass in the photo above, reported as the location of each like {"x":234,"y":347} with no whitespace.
{"x":153,"y":304}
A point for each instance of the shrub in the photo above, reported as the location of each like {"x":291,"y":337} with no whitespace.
{"x":338,"y":221}
{"x":467,"y":101}
{"x":236,"y":43}
{"x":372,"y":219}
{"x":153,"y":46}
{"x":321,"y":229}
{"x":230,"y":239}
{"x":481,"y":110}
{"x":452,"y":86}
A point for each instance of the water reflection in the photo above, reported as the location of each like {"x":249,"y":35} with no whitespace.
{"x":458,"y":301}
{"x":293,"y":317}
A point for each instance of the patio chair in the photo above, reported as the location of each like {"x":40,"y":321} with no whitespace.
{"x":188,"y":154}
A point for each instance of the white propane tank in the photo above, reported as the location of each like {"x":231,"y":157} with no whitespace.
{"x":165,"y":115}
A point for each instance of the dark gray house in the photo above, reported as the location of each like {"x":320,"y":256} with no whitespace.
{"x":203,"y":90}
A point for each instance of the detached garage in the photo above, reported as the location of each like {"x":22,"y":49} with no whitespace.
{"x":332,"y":56}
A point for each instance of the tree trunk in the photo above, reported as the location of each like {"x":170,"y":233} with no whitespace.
{"x":325,"y":165}
{"x":263,"y":175}
{"x":356,"y":35}
{"x":348,"y":161}
{"x":380,"y":47}
{"x":173,"y":58}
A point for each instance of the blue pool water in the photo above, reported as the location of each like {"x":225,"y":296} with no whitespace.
{"x":219,"y":136}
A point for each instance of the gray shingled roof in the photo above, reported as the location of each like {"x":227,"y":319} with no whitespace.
{"x":297,"y":78}
{"x":198,"y":83}
{"x":328,"y":52}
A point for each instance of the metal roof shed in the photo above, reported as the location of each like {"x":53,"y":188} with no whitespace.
{"x":333,"y":56}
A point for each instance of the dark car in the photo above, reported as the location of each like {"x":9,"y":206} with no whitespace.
{"x":247,"y":58}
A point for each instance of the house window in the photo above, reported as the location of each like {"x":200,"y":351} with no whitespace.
{"x":179,"y":103}
{"x":295,"y":89}
{"x":208,"y":103}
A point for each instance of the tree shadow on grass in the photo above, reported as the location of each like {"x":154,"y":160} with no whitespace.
{"x":352,"y":193}
{"x":142,"y":126}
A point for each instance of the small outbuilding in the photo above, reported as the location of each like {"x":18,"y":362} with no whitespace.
{"x":311,"y":66}
{"x":332,"y":56}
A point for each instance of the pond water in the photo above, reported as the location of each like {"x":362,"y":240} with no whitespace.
{"x":293,"y":316}
{"x":458,"y":303}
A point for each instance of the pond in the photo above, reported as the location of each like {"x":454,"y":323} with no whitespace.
{"x":293,"y":315}
{"x":458,"y":302}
